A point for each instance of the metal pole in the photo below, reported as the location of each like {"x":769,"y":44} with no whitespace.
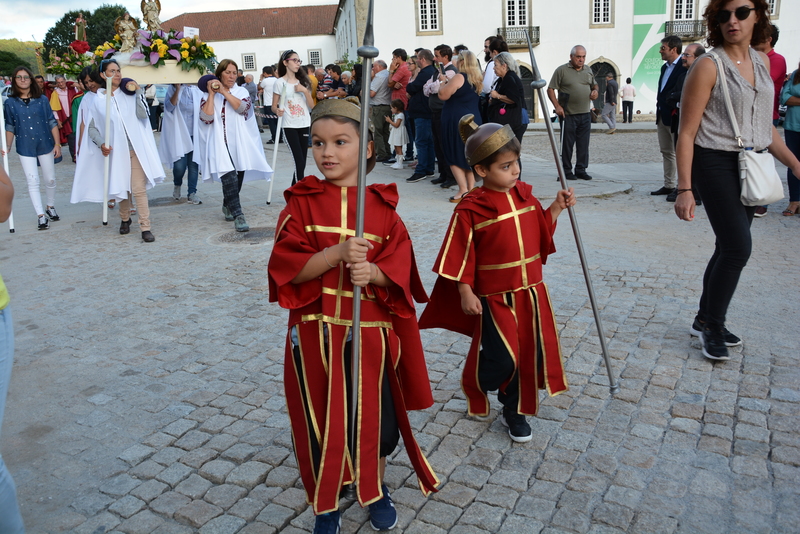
{"x":368,"y":52}
{"x":281,"y":104}
{"x":538,"y":84}
{"x":5,"y":165}
{"x":106,"y":160}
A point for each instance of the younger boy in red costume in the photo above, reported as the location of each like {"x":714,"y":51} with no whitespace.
{"x":491,"y":262}
{"x":315,"y":264}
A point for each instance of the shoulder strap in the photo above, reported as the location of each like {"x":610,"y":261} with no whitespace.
{"x":723,"y":81}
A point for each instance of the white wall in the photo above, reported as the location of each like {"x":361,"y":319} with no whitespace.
{"x":268,"y":51}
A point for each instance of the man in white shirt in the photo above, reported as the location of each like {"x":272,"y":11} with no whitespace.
{"x":267,"y":86}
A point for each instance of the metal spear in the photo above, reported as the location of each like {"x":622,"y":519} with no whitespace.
{"x":368,"y":52}
{"x":281,"y":104}
{"x":539,"y":84}
{"x":106,"y":160}
{"x":5,"y":165}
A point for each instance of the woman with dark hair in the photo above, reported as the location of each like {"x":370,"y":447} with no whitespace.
{"x":708,"y":153}
{"x":296,"y":112}
{"x":507,"y":98}
{"x":134,"y":163}
{"x":30,"y":118}
{"x":89,"y":165}
{"x":355,"y":85}
{"x":233,"y":148}
{"x":628,"y":93}
{"x":790,"y":97}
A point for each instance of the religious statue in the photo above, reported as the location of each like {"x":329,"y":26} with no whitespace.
{"x":126,"y":28}
{"x":150,"y":12}
{"x":80,"y":28}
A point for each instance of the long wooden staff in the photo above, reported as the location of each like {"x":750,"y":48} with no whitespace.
{"x":539,"y":84}
{"x":106,"y":161}
{"x":368,"y":52}
{"x":5,"y":164}
{"x":281,"y":105}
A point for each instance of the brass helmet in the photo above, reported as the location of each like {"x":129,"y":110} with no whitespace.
{"x":482,"y":141}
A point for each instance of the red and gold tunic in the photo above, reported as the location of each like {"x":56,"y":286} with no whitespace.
{"x":319,"y":214}
{"x":497,"y":243}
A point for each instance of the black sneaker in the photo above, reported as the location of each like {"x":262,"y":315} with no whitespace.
{"x":390,"y":161}
{"x":382,"y":514}
{"x":439,"y":180}
{"x":731,"y":340}
{"x":416,"y":177}
{"x":328,"y":523}
{"x":51,"y":213}
{"x":714,"y":344}
{"x":518,"y":428}
{"x":125,"y":227}
{"x":582,"y":176}
{"x":44,"y":224}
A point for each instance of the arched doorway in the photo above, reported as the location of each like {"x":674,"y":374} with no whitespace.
{"x":599,"y":70}
{"x":530,"y":96}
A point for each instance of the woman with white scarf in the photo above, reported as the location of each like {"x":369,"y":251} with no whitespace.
{"x":231,"y":145}
{"x":89,"y":164}
{"x":135,"y":165}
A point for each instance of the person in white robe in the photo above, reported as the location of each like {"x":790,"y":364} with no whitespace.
{"x":181,"y":109}
{"x":232,"y":149}
{"x":135,"y":165}
{"x":89,"y":164}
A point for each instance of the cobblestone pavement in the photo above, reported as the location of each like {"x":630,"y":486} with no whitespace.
{"x":147,"y":393}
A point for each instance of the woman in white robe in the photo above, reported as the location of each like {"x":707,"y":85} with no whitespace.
{"x":178,"y":127}
{"x":232,"y":145}
{"x":135,"y":165}
{"x":89,"y":165}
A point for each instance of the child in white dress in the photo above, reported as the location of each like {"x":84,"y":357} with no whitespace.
{"x":398,"y":137}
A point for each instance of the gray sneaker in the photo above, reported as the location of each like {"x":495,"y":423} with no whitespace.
{"x":176,"y":192}
{"x":192,"y":199}
{"x":240,"y":224}
{"x":227,"y":213}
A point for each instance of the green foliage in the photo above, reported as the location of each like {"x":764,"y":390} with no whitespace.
{"x":346,"y":63}
{"x":58,"y":38}
{"x":25,"y":50}
{"x":10,"y":61}
{"x":100,"y":24}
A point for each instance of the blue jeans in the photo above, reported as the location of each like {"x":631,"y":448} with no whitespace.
{"x":10,"y":518}
{"x":793,"y":144}
{"x":179,"y":169}
{"x":423,"y":138}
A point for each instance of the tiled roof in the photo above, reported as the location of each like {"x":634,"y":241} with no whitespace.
{"x":258,"y":23}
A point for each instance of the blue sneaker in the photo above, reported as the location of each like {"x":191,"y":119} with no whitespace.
{"x":329,"y":523}
{"x":382,"y":515}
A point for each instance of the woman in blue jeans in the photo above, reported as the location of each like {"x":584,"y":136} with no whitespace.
{"x":10,"y":518}
{"x":790,"y":97}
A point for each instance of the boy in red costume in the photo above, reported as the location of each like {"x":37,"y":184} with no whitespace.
{"x":315,"y":264}
{"x":491,"y":261}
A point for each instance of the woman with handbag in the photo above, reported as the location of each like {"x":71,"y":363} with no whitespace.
{"x":708,"y":151}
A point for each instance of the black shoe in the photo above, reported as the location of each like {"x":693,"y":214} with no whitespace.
{"x":270,"y":142}
{"x":672,"y":197}
{"x":663,"y":191}
{"x":125,"y":227}
{"x":439,"y":180}
{"x":148,"y":237}
{"x":582,"y":176}
{"x":51,"y":213}
{"x":518,"y":428}
{"x":731,"y":340}
{"x":44,"y":224}
{"x":568,"y":176}
{"x":381,"y":160}
{"x":447,"y":184}
{"x":698,"y":200}
{"x":713,"y":340}
{"x":390,"y":161}
{"x":416,"y":177}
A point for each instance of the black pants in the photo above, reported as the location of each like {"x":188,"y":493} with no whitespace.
{"x":575,"y":130}
{"x":297,"y":139}
{"x":271,"y":121}
{"x":627,"y":111}
{"x":390,"y":432}
{"x":71,"y":145}
{"x":436,"y":130}
{"x":231,"y":186}
{"x":715,"y":174}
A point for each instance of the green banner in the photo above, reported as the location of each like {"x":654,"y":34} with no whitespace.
{"x":648,"y":29}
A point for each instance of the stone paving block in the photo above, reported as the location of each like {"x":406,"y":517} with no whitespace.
{"x":91,"y":503}
{"x":455,"y":494}
{"x":194,"y":439}
{"x":439,"y":514}
{"x":715,"y":445}
{"x":605,"y":463}
{"x":224,"y":496}
{"x":146,"y":470}
{"x":103,"y":522}
{"x":747,"y":465}
{"x":174,"y":474}
{"x":443,"y":462}
{"x":249,"y":475}
{"x":221,"y":442}
{"x":554,"y":471}
{"x":197,"y":513}
{"x":127,"y":506}
{"x":180,"y":427}
{"x":159,"y":440}
{"x":614,"y":515}
{"x":534,"y":507}
{"x":752,"y":433}
{"x":272,"y":455}
{"x":149,"y":490}
{"x":198,"y":457}
{"x":194,"y":487}
{"x":689,"y":411}
{"x":119,"y":485}
{"x":650,"y":522}
{"x":786,"y":455}
{"x":483,"y":516}
{"x":456,"y":445}
{"x":515,"y":480}
{"x":484,"y":458}
{"x":216,"y":470}
{"x":718,"y":431}
{"x":495,"y":495}
{"x":136,"y":454}
{"x":224,"y":524}
{"x":571,"y":520}
{"x":561,"y":455}
{"x":248,"y":508}
{"x":144,"y":522}
{"x":167,"y":503}
{"x":239,"y":453}
{"x":514,"y":524}
{"x":282,"y":477}
{"x":420,"y":527}
{"x":168,"y":456}
{"x":583,"y":481}
{"x":295,"y":499}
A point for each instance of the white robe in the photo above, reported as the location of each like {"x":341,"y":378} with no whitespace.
{"x":176,"y":141}
{"x":89,"y":166}
{"x":243,"y":152}
{"x":125,"y":125}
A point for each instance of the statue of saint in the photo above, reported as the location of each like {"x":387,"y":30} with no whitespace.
{"x":126,"y":28}
{"x":80,"y":28}
{"x":150,"y":12}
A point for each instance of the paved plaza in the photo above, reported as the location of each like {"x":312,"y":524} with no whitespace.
{"x":147,"y":394}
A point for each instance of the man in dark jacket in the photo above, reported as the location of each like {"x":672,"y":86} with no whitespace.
{"x":418,"y":108}
{"x":610,"y":104}
{"x":670,"y":50}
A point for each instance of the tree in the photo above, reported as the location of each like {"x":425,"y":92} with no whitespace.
{"x":59,"y":37}
{"x":25,"y":50}
{"x":100,"y":24}
{"x":10,"y":61}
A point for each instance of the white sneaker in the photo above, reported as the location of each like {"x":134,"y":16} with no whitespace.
{"x":398,"y":165}
{"x":176,"y":192}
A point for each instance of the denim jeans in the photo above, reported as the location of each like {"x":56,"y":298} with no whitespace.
{"x":179,"y":169}
{"x":424,"y":141}
{"x":10,"y":518}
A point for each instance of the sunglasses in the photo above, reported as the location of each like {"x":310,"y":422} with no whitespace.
{"x":723,"y":15}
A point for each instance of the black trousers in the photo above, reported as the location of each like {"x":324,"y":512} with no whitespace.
{"x":297,"y":139}
{"x":575,"y":130}
{"x":627,"y":110}
{"x":231,"y":186}
{"x":715,"y":174}
{"x":436,"y":129}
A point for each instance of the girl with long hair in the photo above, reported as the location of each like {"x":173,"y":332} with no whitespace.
{"x":292,"y":79}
